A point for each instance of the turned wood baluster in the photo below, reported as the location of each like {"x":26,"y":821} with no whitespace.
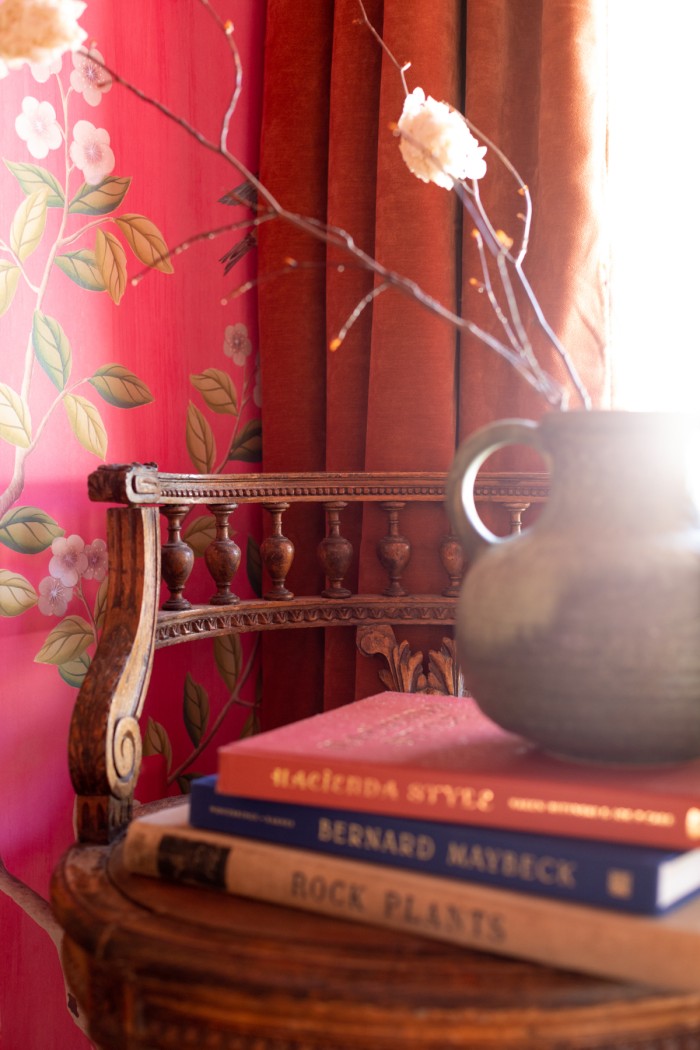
{"x":176,"y":557}
{"x":223,"y":556}
{"x":335,"y":553}
{"x":394,"y":550}
{"x":516,"y":511}
{"x":453,"y":562}
{"x":277,"y":553}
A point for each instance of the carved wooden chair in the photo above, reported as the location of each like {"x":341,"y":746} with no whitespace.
{"x":156,"y":966}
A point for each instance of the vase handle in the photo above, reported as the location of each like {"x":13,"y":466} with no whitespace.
{"x":461,"y":505}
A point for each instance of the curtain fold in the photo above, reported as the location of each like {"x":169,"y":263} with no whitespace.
{"x":402,"y":388}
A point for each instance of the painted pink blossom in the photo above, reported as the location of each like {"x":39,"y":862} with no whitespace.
{"x":69,"y":560}
{"x":37,"y":126}
{"x":96,"y":554}
{"x":90,"y":151}
{"x":236,"y":343}
{"x":88,"y":77}
{"x":53,"y":596}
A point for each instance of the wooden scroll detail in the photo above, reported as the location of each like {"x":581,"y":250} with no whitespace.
{"x":444,"y":673}
{"x":405,"y":673}
{"x":105,"y":739}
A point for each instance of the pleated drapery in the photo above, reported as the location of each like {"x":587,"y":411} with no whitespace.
{"x":404,"y":388}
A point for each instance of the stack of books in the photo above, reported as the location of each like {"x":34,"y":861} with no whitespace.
{"x":418,"y":813}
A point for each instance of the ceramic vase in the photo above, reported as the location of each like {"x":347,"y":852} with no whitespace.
{"x":582,"y":633}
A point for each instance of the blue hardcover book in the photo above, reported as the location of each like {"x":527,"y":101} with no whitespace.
{"x":623,"y":877}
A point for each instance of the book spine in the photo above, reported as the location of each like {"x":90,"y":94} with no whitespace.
{"x":617,"y":877}
{"x":568,"y":936}
{"x":563,"y":810}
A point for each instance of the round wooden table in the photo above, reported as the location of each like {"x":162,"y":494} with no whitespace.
{"x":157,"y":966}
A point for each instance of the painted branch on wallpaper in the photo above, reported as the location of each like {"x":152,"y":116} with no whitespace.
{"x":64,"y":227}
{"x":433,"y":137}
{"x":39,"y":911}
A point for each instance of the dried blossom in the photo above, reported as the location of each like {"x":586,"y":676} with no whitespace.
{"x":38,"y":30}
{"x":436,"y":143}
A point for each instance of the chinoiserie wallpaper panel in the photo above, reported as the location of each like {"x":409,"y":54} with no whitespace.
{"x":97,"y":187}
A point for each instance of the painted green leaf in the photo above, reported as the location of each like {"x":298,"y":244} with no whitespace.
{"x":253,"y":563}
{"x":146,"y":241}
{"x":199,"y":533}
{"x":111,"y":262}
{"x":15,"y":421}
{"x":68,"y":640}
{"x":195,"y":709}
{"x":217,"y":389}
{"x":9,"y":277}
{"x":228,"y":655}
{"x":100,"y":199}
{"x":120,"y":387}
{"x":86,"y":423}
{"x":157,"y":742}
{"x":28,"y":224}
{"x":247,"y":446}
{"x":32,"y":177}
{"x":73,"y":671}
{"x":82,"y":268}
{"x":28,"y":530}
{"x":16,"y":594}
{"x":200,"y":441}
{"x":100,"y":605}
{"x":52,"y":349}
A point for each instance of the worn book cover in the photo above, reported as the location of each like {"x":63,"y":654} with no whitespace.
{"x":628,"y":878}
{"x":660,"y":950}
{"x":439,"y":758}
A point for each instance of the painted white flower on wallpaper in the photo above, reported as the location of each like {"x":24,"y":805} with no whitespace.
{"x":90,"y":151}
{"x":37,"y":126}
{"x":72,"y":565}
{"x":88,"y":76}
{"x":88,"y":244}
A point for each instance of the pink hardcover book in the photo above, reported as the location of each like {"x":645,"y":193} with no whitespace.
{"x":439,"y":758}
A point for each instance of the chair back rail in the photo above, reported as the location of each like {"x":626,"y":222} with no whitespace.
{"x":105,"y":741}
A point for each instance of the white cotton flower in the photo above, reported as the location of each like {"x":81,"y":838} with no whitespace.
{"x":90,"y":151}
{"x":39,"y":30}
{"x":37,"y":126}
{"x":436,"y":143}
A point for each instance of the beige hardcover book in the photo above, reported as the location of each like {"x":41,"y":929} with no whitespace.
{"x":663,"y":951}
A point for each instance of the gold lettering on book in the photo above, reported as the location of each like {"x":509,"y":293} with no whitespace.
{"x":375,"y":839}
{"x":454,"y":797}
{"x":594,"y":811}
{"x":528,"y":867}
{"x":327,"y":782}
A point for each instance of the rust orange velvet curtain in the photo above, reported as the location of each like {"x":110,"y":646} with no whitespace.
{"x":403,"y":388}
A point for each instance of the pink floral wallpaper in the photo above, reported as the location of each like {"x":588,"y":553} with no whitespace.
{"x":115,"y":345}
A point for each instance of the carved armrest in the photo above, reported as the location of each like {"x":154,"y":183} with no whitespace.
{"x":105,"y":741}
